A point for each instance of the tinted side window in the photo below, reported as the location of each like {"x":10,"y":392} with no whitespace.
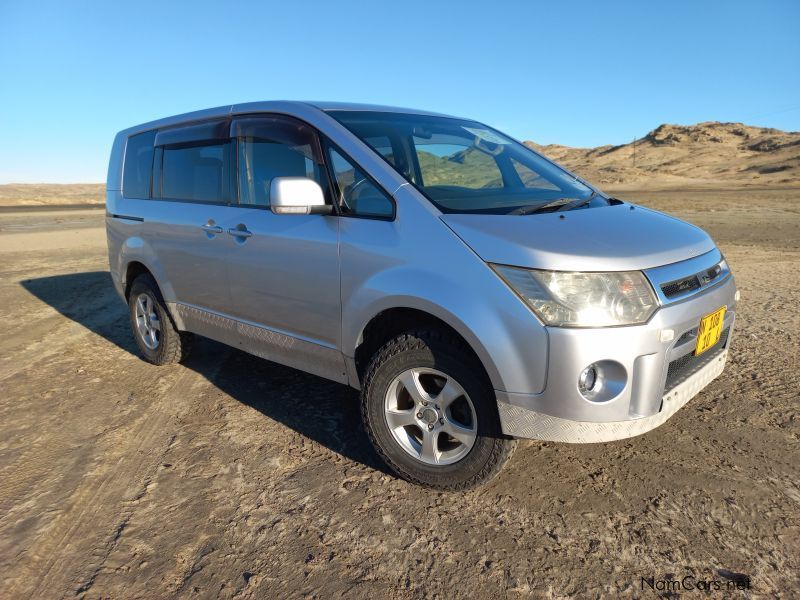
{"x":270,"y":147}
{"x":358,"y":195}
{"x":138,"y":167}
{"x":199,"y":172}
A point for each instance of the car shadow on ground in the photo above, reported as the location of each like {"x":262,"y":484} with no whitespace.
{"x":326,"y":412}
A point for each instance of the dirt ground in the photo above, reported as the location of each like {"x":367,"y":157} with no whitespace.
{"x":232,"y":476}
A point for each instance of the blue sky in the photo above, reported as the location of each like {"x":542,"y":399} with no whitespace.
{"x":576,"y":73}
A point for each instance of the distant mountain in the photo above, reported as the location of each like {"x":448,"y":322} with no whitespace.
{"x":710,"y":153}
{"x":469,"y":168}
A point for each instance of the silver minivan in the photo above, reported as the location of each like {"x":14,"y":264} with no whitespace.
{"x":473,"y":290}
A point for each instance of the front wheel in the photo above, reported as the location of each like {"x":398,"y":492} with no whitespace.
{"x":431,"y":412}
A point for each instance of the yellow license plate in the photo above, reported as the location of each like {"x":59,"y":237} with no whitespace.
{"x":709,"y":331}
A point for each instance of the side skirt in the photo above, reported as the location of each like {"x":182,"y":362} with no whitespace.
{"x":270,"y":344}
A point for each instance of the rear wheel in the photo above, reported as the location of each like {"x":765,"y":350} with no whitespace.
{"x":431,"y":412}
{"x":158,"y":339}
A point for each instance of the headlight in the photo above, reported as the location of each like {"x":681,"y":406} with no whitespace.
{"x":575,"y":299}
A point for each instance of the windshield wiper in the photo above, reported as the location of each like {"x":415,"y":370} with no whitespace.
{"x":534,"y":208}
{"x":559,"y":204}
{"x":577,"y":203}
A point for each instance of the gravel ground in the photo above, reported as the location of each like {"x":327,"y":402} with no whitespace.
{"x":232,"y":476}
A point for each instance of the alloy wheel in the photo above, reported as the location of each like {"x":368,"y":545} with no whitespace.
{"x":430,"y":416}
{"x":148,"y":325}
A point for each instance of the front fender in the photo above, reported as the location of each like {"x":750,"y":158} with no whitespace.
{"x":507,"y":339}
{"x":416,"y":261}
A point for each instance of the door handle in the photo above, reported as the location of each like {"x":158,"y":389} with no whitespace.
{"x":242,"y":233}
{"x":208,"y":228}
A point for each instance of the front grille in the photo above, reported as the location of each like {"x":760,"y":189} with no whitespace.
{"x":687,"y":284}
{"x":682,"y":368}
{"x":680,"y":286}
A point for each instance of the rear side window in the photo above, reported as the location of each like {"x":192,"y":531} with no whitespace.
{"x":196,"y":173}
{"x":137,"y":169}
{"x":193,"y":163}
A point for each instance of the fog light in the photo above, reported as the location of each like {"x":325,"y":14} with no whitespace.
{"x":602,"y":381}
{"x":587,"y":381}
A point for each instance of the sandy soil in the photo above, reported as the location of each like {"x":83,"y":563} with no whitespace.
{"x":231,"y":476}
{"x":34,"y":195}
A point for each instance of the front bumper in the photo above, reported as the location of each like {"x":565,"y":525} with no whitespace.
{"x":656,"y":375}
{"x":525,"y":423}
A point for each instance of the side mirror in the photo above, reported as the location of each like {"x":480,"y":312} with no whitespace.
{"x":297,"y":196}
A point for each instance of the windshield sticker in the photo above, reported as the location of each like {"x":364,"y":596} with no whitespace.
{"x":487,"y":136}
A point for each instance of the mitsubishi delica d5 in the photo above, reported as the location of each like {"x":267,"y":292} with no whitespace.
{"x":473,"y":291}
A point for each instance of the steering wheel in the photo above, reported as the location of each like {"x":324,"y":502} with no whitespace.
{"x":350,"y":191}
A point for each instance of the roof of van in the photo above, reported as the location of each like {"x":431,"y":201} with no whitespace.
{"x":354,"y":106}
{"x":268,"y":106}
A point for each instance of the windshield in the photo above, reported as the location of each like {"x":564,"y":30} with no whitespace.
{"x":467,"y":167}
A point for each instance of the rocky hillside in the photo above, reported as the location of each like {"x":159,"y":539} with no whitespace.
{"x":708,"y":153}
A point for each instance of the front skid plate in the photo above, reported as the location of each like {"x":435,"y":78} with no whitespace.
{"x":524,"y":423}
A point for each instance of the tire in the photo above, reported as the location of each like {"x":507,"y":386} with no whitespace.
{"x":166,"y":345}
{"x":429,"y":372}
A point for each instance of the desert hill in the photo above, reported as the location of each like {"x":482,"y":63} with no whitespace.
{"x":710,"y":153}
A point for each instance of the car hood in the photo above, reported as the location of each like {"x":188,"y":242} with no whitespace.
{"x":623,"y":237}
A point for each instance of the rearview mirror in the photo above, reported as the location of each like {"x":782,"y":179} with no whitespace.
{"x":297,"y":196}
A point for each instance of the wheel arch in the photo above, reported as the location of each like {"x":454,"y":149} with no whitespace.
{"x":136,"y":267}
{"x":391,"y":322}
{"x":132,"y":270}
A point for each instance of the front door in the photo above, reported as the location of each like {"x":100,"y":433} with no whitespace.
{"x":283,"y":270}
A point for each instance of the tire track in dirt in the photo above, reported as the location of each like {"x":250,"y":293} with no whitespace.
{"x":114,"y":453}
{"x":95,"y":308}
{"x":61,"y":561}
{"x":62,"y":349}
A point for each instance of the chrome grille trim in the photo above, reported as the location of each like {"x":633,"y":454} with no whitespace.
{"x":679,"y":281}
